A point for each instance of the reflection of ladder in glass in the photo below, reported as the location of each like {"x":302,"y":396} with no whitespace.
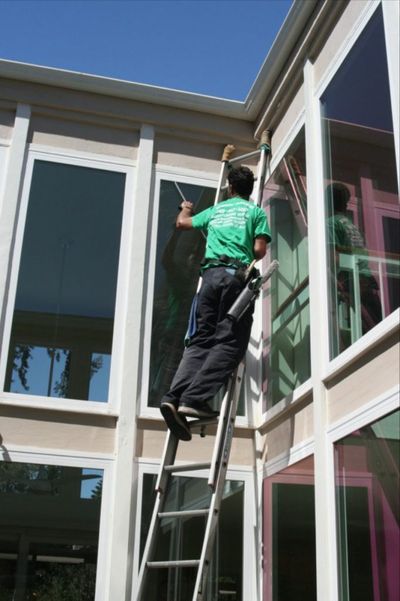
{"x":224,"y":434}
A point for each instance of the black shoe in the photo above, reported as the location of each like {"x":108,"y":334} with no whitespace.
{"x":197,"y":410}
{"x":176,"y":423}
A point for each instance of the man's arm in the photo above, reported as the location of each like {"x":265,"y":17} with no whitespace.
{"x":184,"y":217}
{"x":260,"y":247}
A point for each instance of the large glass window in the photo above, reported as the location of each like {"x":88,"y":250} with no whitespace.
{"x":367,"y":480}
{"x":289,"y":534}
{"x":178,"y":258}
{"x":361,"y":191}
{"x":287,"y":341}
{"x":49,"y":529}
{"x":62,"y":325}
{"x":182,"y":539}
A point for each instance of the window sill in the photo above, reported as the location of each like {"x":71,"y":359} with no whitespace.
{"x":43,"y":403}
{"x":301,"y":396}
{"x":378,"y":334}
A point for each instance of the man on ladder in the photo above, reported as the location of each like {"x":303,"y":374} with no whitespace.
{"x":237,"y":235}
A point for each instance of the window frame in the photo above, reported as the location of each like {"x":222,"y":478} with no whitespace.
{"x":250,"y":537}
{"x":90,"y":161}
{"x":387,"y":325}
{"x":288,"y":402}
{"x":96,"y":461}
{"x":160,"y":174}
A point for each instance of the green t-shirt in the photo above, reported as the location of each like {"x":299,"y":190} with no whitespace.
{"x":231,"y":227}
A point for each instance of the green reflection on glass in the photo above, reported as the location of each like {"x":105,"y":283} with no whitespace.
{"x":288,"y":343}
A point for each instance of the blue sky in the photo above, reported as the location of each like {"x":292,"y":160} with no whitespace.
{"x":213,"y":47}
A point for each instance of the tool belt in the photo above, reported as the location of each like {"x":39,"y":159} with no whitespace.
{"x":242,"y":271}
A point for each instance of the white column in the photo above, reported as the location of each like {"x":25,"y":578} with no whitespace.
{"x":325,"y":520}
{"x":10,"y":197}
{"x":391,"y":20}
{"x":119,"y":577}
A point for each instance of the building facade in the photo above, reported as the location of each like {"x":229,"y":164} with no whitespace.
{"x":91,"y":173}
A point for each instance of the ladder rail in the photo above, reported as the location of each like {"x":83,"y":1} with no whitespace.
{"x":219,"y":483}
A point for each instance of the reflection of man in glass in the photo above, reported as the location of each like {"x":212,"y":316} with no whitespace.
{"x":346,"y":239}
{"x":179,"y":260}
{"x":237,"y":233}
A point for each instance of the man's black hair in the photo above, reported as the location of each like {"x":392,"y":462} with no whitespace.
{"x":241,"y":179}
{"x":340,"y":195}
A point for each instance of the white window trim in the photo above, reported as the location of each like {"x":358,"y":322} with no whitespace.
{"x":288,"y":458}
{"x":376,"y":409}
{"x":250,"y":582}
{"x":368,"y":341}
{"x":3,"y":169}
{"x":65,"y":154}
{"x":278,"y":154}
{"x":391,"y":20}
{"x":110,"y":407}
{"x":288,"y":404}
{"x":81,"y":461}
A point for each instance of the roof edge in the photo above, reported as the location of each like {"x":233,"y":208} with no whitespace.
{"x":121,"y":88}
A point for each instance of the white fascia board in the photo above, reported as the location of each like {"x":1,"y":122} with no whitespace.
{"x":278,"y":54}
{"x":120,"y":88}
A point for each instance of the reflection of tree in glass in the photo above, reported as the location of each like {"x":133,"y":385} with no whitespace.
{"x":25,"y":478}
{"x":97,"y":491}
{"x":22,"y":365}
{"x":22,"y":355}
{"x":61,"y":385}
{"x":58,"y":582}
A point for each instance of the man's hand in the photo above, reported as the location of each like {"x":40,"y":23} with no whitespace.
{"x":184,"y":218}
{"x":186,"y":204}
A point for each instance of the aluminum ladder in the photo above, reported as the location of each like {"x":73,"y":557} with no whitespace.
{"x":225,"y":426}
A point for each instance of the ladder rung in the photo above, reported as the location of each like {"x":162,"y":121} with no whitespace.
{"x":183,"y":563}
{"x":187,"y":467}
{"x":183,"y":514}
{"x":244,"y":156}
{"x":204,"y":421}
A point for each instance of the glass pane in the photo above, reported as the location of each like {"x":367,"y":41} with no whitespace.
{"x":289,"y":534}
{"x":49,"y":529}
{"x":183,"y":538}
{"x":63,"y":318}
{"x":287,"y":341}
{"x":178,"y":259}
{"x":361,"y":191}
{"x":367,"y":481}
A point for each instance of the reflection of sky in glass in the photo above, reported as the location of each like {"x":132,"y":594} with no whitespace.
{"x":90,"y":479}
{"x":44,"y":373}
{"x":98,"y":388}
{"x":359,"y":93}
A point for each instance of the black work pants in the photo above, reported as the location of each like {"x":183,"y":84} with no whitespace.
{"x":217,"y":346}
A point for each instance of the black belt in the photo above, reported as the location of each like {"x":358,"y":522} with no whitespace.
{"x":224,"y":261}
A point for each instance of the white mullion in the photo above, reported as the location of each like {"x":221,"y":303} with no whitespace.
{"x":325,"y":513}
{"x":122,"y":517}
{"x":391,"y":19}
{"x":10,"y":191}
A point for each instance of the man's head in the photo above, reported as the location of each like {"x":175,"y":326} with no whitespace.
{"x":340,"y":195}
{"x":241,"y":181}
